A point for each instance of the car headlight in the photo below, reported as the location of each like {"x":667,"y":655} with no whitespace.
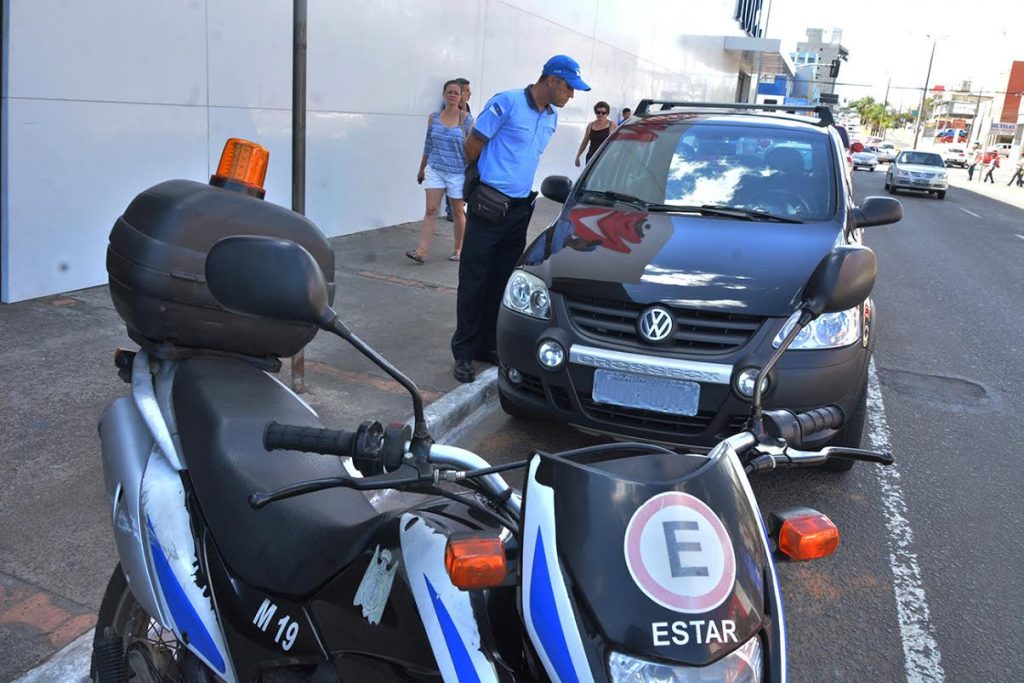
{"x":902,"y":174}
{"x":829,"y":331}
{"x":742,"y":666}
{"x":527,"y":294}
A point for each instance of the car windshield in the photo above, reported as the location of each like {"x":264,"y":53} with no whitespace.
{"x":922,"y":158}
{"x":777,"y":171}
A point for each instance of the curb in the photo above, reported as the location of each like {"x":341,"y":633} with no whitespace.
{"x":449,"y":418}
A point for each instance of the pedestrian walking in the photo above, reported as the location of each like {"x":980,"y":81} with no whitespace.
{"x":464,"y":106}
{"x":510,"y":134}
{"x":1018,"y":171}
{"x":990,"y":166}
{"x":626,"y":113}
{"x":597,"y":132}
{"x":976,"y":159}
{"x":443,"y":170}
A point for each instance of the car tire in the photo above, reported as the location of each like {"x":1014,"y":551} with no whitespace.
{"x":512,"y":409}
{"x":941,"y":195}
{"x":852,"y":433}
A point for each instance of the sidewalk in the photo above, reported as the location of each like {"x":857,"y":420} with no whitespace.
{"x":57,"y":376}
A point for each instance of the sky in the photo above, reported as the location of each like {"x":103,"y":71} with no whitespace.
{"x":890,"y":39}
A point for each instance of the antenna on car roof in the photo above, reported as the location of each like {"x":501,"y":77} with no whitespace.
{"x":823,"y":113}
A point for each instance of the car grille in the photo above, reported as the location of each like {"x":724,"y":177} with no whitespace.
{"x":697,"y":331}
{"x":684,"y":425}
{"x":919,"y":174}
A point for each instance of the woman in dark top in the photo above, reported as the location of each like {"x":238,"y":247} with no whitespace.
{"x":597,"y":131}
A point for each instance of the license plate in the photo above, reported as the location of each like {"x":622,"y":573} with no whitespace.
{"x":658,"y":394}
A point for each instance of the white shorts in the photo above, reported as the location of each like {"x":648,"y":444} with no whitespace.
{"x":451,"y":183}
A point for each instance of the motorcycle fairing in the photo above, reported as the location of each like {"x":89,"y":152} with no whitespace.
{"x":600,"y":605}
{"x":446,"y":612}
{"x":547,"y":610}
{"x":174,"y":561}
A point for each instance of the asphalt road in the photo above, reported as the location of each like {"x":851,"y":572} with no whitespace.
{"x":927,"y":582}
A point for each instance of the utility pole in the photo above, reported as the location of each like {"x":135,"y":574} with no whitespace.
{"x":299,"y":148}
{"x":924,"y":92}
{"x":885,"y":104}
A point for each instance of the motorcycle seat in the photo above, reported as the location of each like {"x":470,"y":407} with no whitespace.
{"x":291,"y":547}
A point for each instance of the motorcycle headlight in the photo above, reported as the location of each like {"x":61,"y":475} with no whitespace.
{"x":742,"y":666}
{"x":527,"y":294}
{"x":829,"y":331}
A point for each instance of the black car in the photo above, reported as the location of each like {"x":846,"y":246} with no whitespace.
{"x":646,"y":308}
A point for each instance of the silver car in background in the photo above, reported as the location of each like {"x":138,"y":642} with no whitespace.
{"x":918,"y":170}
{"x":885,"y":151}
{"x":865,"y":159}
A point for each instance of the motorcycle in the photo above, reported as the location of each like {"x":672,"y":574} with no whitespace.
{"x":254,"y":543}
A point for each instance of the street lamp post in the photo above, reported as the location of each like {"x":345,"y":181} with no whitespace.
{"x":924,"y":92}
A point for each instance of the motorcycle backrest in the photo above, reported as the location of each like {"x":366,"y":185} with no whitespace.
{"x":842,"y":280}
{"x":268,"y":277}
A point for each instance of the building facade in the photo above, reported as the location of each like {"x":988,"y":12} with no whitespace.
{"x":814,"y":60}
{"x":102,"y":100}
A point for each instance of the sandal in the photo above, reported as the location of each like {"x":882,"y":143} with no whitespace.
{"x":414,"y":256}
{"x":453,"y":257}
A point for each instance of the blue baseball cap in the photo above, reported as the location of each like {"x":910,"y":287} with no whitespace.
{"x":567,"y":68}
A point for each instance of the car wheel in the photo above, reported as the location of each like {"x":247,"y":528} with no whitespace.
{"x":512,"y":409}
{"x":941,"y":195}
{"x":852,"y":434}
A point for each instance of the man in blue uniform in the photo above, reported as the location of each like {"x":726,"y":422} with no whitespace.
{"x":510,"y":134}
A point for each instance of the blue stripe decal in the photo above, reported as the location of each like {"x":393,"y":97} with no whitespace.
{"x":186,"y":619}
{"x":544,"y":615}
{"x":464,"y":669}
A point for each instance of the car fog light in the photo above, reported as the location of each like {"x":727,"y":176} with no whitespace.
{"x":745,"y":382}
{"x":551,"y":354}
{"x":514,"y":376}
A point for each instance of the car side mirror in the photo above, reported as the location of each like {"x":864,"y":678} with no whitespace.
{"x":268,"y":277}
{"x":842,"y":280}
{"x":878,"y":211}
{"x":556,"y":188}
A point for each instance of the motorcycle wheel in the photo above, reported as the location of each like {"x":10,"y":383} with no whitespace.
{"x":147,"y":651}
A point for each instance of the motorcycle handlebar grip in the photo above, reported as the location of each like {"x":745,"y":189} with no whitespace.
{"x":829,"y":417}
{"x":309,"y":439}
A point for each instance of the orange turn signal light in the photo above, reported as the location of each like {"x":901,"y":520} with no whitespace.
{"x":808,"y":537}
{"x":243,"y":165}
{"x":475,"y":561}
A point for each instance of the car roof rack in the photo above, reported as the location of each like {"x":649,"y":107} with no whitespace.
{"x":823,"y":113}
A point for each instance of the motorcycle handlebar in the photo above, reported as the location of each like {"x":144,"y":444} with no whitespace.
{"x":362,"y":444}
{"x":794,"y":428}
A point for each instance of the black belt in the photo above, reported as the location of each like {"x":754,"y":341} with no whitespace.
{"x":522,"y":201}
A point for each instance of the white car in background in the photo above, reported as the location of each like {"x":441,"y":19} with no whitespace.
{"x":916,"y":169}
{"x":955,"y":156}
{"x":865,"y":159}
{"x":886,"y":151}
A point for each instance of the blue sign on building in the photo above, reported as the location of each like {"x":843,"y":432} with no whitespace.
{"x":748,"y":14}
{"x":795,"y":100}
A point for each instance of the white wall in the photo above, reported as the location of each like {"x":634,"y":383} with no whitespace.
{"x":104,"y":99}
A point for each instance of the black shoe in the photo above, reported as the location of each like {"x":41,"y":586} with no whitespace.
{"x":488,"y":357}
{"x":464,"y":371}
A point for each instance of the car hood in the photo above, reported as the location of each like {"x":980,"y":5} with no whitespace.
{"x":866,"y":156}
{"x":692,"y":261}
{"x":919,"y":168}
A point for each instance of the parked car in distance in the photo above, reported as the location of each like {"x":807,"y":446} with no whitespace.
{"x":886,"y":151}
{"x":1003,"y":148}
{"x":955,"y":156}
{"x":866,"y":159}
{"x":647,"y":307}
{"x":918,"y":170}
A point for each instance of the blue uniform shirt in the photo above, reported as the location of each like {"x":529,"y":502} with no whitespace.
{"x":517,"y":133}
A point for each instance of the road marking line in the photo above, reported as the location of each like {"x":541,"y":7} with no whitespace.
{"x":970,"y":212}
{"x":920,"y":650}
{"x":1020,"y":236}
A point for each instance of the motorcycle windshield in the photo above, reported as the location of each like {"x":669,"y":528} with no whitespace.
{"x":652,"y":555}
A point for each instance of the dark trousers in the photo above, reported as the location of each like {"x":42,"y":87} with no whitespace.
{"x":988,"y":176}
{"x":970,"y":172}
{"x":1016,"y":179}
{"x":489,"y":254}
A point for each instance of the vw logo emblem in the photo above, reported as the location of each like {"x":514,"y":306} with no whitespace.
{"x":656,"y":324}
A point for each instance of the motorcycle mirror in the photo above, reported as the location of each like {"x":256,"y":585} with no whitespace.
{"x":842,"y":280}
{"x":268,"y":277}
